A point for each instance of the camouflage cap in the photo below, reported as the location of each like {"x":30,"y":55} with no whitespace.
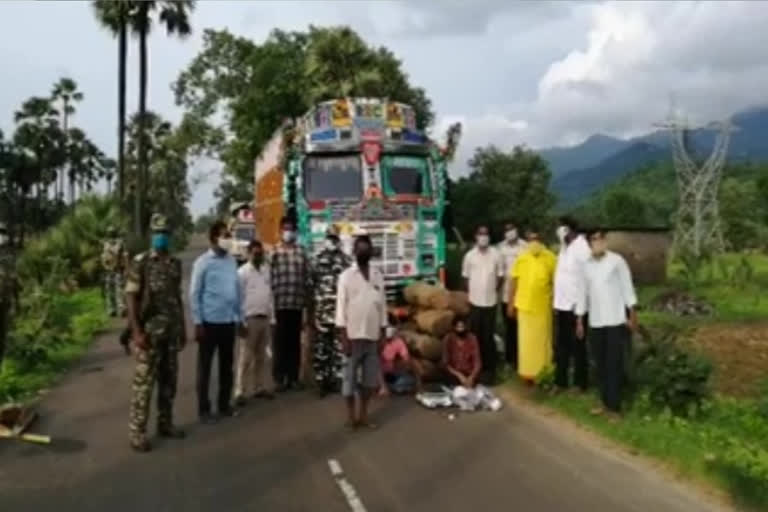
{"x":158,"y":222}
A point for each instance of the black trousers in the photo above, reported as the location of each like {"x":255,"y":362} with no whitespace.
{"x":510,"y":337}
{"x":568,"y":348}
{"x":287,"y":346}
{"x":219,"y":337}
{"x":482,"y":322}
{"x":609,"y":346}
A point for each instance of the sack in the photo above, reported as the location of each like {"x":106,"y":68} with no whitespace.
{"x":437,"y":323}
{"x":440,"y":299}
{"x":420,"y":294}
{"x":459,"y":303}
{"x":423,"y":346}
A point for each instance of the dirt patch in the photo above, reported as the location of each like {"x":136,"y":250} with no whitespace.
{"x":739,"y":354}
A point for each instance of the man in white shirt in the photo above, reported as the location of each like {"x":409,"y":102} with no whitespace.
{"x":483,"y":277}
{"x":569,"y":281}
{"x":607,"y":295}
{"x":509,"y":249}
{"x":256,"y":337}
{"x":361,"y":316}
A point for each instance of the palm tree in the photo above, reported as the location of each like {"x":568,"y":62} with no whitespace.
{"x":65,"y":91}
{"x":174,"y":15}
{"x":115,"y":16}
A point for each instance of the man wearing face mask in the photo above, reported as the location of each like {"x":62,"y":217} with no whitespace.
{"x":483,"y":277}
{"x":291,"y":280}
{"x":569,"y":280}
{"x":156,"y":315}
{"x":9,"y":287}
{"x":607,"y":296}
{"x":327,"y":354}
{"x":530,"y":300}
{"x":216,"y":302}
{"x":509,"y":249}
{"x":361,"y":317}
{"x":252,"y":377}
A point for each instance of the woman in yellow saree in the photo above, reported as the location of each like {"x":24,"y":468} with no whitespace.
{"x":530,"y":300}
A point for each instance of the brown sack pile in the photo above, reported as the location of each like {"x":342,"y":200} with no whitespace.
{"x":432,"y":311}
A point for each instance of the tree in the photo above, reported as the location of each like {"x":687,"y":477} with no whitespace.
{"x":169,"y":151}
{"x":503,"y":187}
{"x":255,"y":87}
{"x":174,"y":15}
{"x":65,"y":92}
{"x":115,"y":15}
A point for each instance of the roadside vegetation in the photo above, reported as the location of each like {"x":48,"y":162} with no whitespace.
{"x":699,"y":392}
{"x":61,"y":306}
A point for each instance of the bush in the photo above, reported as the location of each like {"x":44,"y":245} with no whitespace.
{"x":673,"y":378}
{"x":74,"y":242}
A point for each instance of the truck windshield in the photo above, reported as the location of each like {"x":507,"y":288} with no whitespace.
{"x":333,"y":177}
{"x":243,"y":233}
{"x":407,"y":175}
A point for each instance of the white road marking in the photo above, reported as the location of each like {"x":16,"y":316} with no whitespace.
{"x":346,"y":488}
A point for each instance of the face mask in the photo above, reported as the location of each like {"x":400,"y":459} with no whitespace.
{"x":536,"y":247}
{"x":562,"y":232}
{"x":288,"y":236}
{"x":599,"y":247}
{"x":3,"y":239}
{"x":257,"y":258}
{"x":225,"y":244}
{"x":160,"y":241}
{"x":483,"y":240}
{"x":390,"y":332}
{"x":461,"y":331}
{"x":511,"y":235}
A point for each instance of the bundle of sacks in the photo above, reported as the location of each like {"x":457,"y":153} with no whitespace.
{"x":431,"y":312}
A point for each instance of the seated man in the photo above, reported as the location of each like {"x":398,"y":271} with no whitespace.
{"x":461,"y":355}
{"x":400,"y":373}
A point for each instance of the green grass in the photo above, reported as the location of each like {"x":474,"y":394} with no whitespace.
{"x":75,"y":319}
{"x":725,"y":446}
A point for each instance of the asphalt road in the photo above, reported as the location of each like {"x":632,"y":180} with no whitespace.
{"x":276,"y":455}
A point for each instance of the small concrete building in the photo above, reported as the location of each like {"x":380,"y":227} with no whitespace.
{"x":645,"y":249}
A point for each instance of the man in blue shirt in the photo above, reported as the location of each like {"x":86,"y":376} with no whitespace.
{"x":214,"y":297}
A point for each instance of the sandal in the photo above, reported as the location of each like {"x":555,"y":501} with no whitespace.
{"x":367,"y":424}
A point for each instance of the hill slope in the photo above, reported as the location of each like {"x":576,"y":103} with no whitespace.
{"x":619,"y":158}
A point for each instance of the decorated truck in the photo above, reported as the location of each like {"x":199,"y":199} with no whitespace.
{"x":362,"y":165}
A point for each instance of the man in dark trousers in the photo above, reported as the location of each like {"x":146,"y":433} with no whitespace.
{"x":215,"y":300}
{"x":569,"y":281}
{"x":291,"y":280}
{"x":483,"y":278}
{"x":607,"y":296}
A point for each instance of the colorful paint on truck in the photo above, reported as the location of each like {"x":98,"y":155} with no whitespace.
{"x":362,"y":165}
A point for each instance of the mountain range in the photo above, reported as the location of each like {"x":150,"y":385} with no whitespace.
{"x":581,"y":170}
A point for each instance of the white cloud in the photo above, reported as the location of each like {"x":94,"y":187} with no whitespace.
{"x":634,"y":55}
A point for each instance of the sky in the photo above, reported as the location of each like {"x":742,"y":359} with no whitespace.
{"x":513,"y":72}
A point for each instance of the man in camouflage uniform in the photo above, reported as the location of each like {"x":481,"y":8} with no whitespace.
{"x":114,"y":259}
{"x":327,"y":359}
{"x":153,"y":287}
{"x":9,"y":287}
